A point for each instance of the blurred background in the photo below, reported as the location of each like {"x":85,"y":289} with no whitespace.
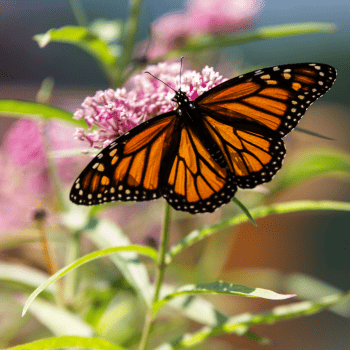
{"x":311,"y":243}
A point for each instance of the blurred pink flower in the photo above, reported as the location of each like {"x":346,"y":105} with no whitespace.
{"x":114,"y":112}
{"x":21,"y":191}
{"x":200,"y":17}
{"x":61,"y":137}
{"x":23,"y":143}
{"x":25,"y":183}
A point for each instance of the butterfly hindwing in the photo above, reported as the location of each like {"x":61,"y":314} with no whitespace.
{"x":275,"y":97}
{"x":129,"y":168}
{"x":196,"y":183}
{"x":250,"y":150}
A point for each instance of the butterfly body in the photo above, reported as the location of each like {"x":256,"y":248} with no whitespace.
{"x":197,"y":155}
{"x":190,"y":116}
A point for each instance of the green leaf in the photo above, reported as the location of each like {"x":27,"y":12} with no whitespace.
{"x":311,"y":133}
{"x":68,"y":341}
{"x":85,"y":39}
{"x":245,"y":210}
{"x":104,"y":234}
{"x":24,"y":275}
{"x":209,"y":41}
{"x":11,"y":322}
{"x":311,"y":288}
{"x":123,"y":313}
{"x":243,"y":322}
{"x":13,"y":237}
{"x":260,"y":212}
{"x":315,"y":164}
{"x":60,"y":321}
{"x":194,"y":307}
{"x":28,"y":109}
{"x":261,"y":340}
{"x":221,"y":288}
{"x":201,"y":310}
{"x":45,"y":92}
{"x":148,"y":251}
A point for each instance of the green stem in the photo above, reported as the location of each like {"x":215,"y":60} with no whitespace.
{"x":44,"y":96}
{"x":205,"y":42}
{"x":40,"y":220}
{"x":73,"y":253}
{"x":78,"y":13}
{"x":163,"y":248}
{"x":130,"y":32}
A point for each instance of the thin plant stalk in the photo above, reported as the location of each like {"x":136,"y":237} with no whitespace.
{"x":79,"y":13}
{"x":44,"y":96}
{"x":161,"y":266}
{"x":130,"y":32}
{"x":39,"y":219}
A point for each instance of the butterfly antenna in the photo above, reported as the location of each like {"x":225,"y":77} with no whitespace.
{"x":161,"y":81}
{"x":182,"y":57}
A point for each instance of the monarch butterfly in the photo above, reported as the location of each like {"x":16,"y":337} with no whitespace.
{"x":197,"y":155}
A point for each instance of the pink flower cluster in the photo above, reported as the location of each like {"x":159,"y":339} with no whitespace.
{"x":200,"y":17}
{"x":25,"y":183}
{"x":111,"y":113}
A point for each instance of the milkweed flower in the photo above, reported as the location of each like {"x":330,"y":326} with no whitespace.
{"x":202,"y":17}
{"x":23,"y":146}
{"x":25,"y":183}
{"x":111,"y":113}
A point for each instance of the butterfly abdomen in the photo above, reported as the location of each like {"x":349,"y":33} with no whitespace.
{"x":192,"y":117}
{"x":213,"y":149}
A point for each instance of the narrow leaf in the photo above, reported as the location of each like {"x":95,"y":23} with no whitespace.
{"x":104,"y":234}
{"x":260,"y":212}
{"x":311,"y":288}
{"x":45,"y":92}
{"x":221,"y":288}
{"x":29,"y":109}
{"x":209,"y":41}
{"x":68,"y":341}
{"x":85,"y":39}
{"x":195,"y":308}
{"x":245,"y":210}
{"x":311,"y":133}
{"x":148,"y":251}
{"x":245,"y":321}
{"x":60,"y":321}
{"x":257,"y":338}
{"x":25,"y":275}
{"x":202,"y":311}
{"x":316,"y":164}
{"x":12,"y":238}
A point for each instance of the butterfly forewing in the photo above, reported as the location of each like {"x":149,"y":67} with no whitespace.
{"x":275,"y":97}
{"x":129,"y":168}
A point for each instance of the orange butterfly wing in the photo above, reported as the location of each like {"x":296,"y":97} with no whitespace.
{"x":129,"y":168}
{"x":247,"y":116}
{"x":275,"y":97}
